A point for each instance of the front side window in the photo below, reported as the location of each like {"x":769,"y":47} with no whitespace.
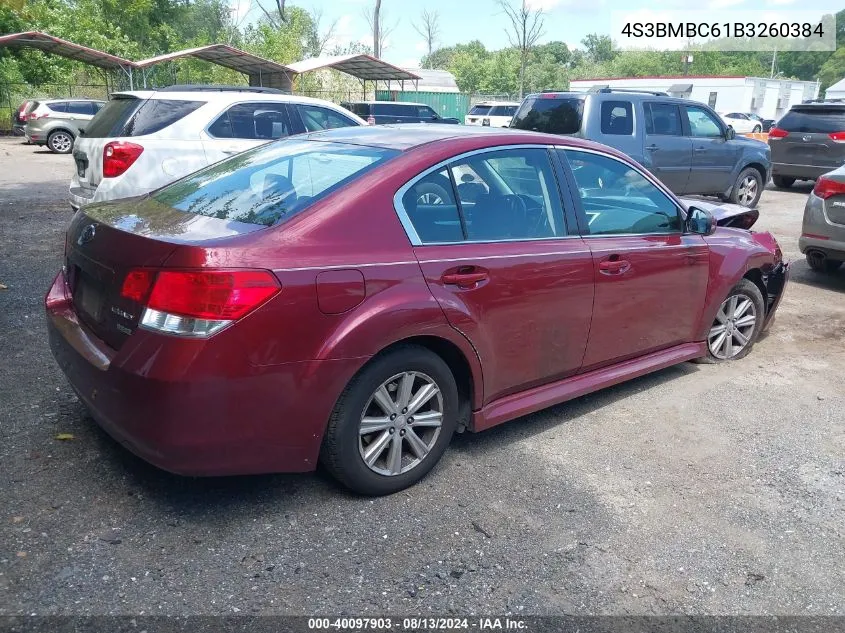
{"x":663,"y":119}
{"x":702,"y":123}
{"x":316,"y":118}
{"x":494,"y":196}
{"x":424,"y":112}
{"x":252,"y":121}
{"x":617,"y":117}
{"x":271,"y":183}
{"x":619,"y":200}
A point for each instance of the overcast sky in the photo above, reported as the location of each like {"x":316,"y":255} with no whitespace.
{"x":464,"y":20}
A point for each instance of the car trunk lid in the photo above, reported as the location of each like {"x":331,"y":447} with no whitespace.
{"x":107,"y":241}
{"x":815,"y":136}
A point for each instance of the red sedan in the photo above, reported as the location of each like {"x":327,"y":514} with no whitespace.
{"x":356,"y":296}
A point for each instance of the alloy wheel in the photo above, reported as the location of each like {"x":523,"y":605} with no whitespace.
{"x":733,"y":328}
{"x":401,"y":423}
{"x":61,"y":142}
{"x":747,"y":191}
{"x":429,"y":198}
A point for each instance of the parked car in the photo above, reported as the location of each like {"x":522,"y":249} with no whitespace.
{"x":143,"y":140}
{"x":303,"y":300}
{"x":823,"y":232}
{"x":685,"y":144}
{"x":19,"y":119}
{"x":492,"y":113}
{"x":807,"y":142}
{"x":742,"y":123}
{"x":765,"y":123}
{"x":381,"y":112}
{"x":57,"y":122}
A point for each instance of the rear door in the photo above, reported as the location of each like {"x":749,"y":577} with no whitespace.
{"x":713,"y":156}
{"x":499,"y":258}
{"x":667,"y":150}
{"x":815,"y":139}
{"x":80,"y":112}
{"x":243,"y":126}
{"x":650,"y":277}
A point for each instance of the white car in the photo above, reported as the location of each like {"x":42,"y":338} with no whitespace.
{"x":143,"y":140}
{"x":741,"y":122}
{"x":492,"y":113}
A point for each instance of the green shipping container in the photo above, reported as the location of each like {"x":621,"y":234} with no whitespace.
{"x":447,"y":104}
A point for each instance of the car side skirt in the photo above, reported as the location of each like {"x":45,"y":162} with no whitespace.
{"x":520,"y":404}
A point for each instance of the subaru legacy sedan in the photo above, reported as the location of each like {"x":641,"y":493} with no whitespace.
{"x":358,"y":295}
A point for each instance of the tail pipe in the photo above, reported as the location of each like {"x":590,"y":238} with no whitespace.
{"x":816,"y":257}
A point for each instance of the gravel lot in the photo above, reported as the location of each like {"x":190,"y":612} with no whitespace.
{"x":699,"y":489}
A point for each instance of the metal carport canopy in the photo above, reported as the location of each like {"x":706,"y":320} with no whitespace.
{"x":364,"y":67}
{"x":58,"y":46}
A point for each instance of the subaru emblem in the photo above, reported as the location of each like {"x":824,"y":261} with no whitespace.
{"x":87,"y":234}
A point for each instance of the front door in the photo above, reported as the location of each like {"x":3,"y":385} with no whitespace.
{"x":496,"y":252}
{"x":713,"y":156}
{"x":651,"y":278}
{"x":667,"y":152}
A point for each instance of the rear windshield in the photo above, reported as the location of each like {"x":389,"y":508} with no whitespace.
{"x":271,"y":183}
{"x":553,"y":116}
{"x":112,"y":118}
{"x":815,"y":120}
{"x":480,"y":110}
{"x":503,"y":110}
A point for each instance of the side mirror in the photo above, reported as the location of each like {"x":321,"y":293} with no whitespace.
{"x":700,"y":222}
{"x":81,"y":132}
{"x":730,"y":134}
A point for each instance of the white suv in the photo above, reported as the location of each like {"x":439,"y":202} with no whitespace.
{"x":492,"y":113}
{"x":142,"y":140}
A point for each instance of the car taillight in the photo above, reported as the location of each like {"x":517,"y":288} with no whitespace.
{"x":34,"y":115}
{"x":837,"y":136}
{"x":826,"y":187}
{"x":118,"y":156}
{"x":371,"y":120}
{"x":777,"y":132}
{"x":197,"y":303}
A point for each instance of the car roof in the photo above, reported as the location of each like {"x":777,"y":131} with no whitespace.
{"x":496,"y":103}
{"x":408,"y":103}
{"x":611,"y":96}
{"x":217,"y":96}
{"x":407,"y":136}
{"x":65,"y":100}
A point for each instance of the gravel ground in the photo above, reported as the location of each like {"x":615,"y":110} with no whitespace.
{"x":698,"y":489}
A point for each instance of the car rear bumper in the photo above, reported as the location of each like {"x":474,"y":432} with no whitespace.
{"x":195,"y":420}
{"x":835,"y":249}
{"x":808,"y":172}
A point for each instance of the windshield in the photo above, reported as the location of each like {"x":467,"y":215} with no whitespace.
{"x":550,"y":115}
{"x":480,"y":110}
{"x":112,"y":117}
{"x":271,"y":183}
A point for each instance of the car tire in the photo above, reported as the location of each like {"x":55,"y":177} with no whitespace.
{"x":783,"y":182}
{"x":433,"y":192}
{"x":821,"y":264}
{"x":748,"y":188}
{"x":366,"y":462}
{"x":60,"y":142}
{"x":757,"y":129}
{"x":718,"y":350}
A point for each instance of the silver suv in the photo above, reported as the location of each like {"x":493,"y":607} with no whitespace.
{"x":57,"y":122}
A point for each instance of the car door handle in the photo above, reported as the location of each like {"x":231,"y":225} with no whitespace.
{"x":614,"y":266}
{"x":652,"y":148}
{"x":465,"y":277}
{"x":700,"y":149}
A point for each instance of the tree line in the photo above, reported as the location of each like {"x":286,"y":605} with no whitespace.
{"x":141,"y":28}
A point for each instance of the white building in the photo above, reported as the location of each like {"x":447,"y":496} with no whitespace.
{"x":769,"y":98}
{"x":836,"y":91}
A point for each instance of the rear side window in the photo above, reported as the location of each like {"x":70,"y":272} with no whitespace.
{"x":316,"y":118}
{"x":503,"y":110}
{"x":112,"y":118}
{"x":57,"y":107}
{"x":663,"y":119}
{"x":80,"y":107}
{"x":617,"y":117}
{"x":361,"y":109}
{"x":156,"y":114}
{"x":815,"y":121}
{"x":253,"y":121}
{"x":480,"y":110}
{"x":553,"y":116}
{"x":271,"y":183}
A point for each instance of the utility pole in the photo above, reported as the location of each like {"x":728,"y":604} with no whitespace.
{"x":774,"y":64}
